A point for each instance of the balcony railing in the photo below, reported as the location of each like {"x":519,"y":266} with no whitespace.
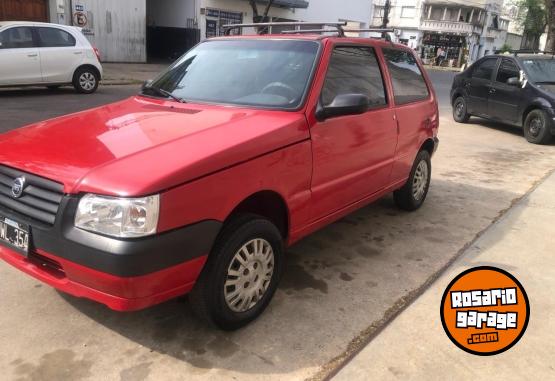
{"x":449,"y":26}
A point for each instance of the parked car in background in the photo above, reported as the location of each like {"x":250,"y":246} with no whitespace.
{"x":243,"y":146}
{"x":52,"y":55}
{"x":514,"y":89}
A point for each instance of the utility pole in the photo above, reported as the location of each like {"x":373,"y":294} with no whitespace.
{"x":385,"y":18}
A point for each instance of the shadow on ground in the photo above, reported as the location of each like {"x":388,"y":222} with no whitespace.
{"x":338,"y":282}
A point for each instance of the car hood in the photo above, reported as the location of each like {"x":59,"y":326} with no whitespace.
{"x":142,"y":146}
{"x":548,"y":88}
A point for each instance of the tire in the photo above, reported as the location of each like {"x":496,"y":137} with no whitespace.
{"x":85,"y":80}
{"x":537,"y":127}
{"x":413,"y":194}
{"x":53,"y":87}
{"x":460,"y":113}
{"x":209,"y":298}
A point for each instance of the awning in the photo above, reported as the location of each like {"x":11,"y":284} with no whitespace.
{"x":287,"y":3}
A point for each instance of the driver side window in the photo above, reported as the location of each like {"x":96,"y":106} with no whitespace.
{"x":354,"y":70}
{"x":507,"y":70}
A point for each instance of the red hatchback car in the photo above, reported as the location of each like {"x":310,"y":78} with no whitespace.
{"x":243,"y":146}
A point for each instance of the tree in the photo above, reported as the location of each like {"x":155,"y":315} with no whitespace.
{"x":550,"y":7}
{"x":533,"y":17}
{"x":257,"y":17}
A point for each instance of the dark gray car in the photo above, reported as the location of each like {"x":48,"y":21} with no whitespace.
{"x":515,"y":89}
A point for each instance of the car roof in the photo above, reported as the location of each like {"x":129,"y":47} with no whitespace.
{"x":521,"y":56}
{"x":312,"y":37}
{"x":31,"y":23}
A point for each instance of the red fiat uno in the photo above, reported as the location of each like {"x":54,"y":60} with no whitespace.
{"x":243,"y":146}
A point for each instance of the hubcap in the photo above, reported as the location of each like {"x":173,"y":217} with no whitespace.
{"x":249,"y":275}
{"x":459,"y":107}
{"x":535,"y":126}
{"x":420,"y":180}
{"x":87,"y":81}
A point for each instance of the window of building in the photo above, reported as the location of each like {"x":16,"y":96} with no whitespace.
{"x":408,"y":12}
{"x":17,"y":38}
{"x":507,"y":70}
{"x":408,"y":83}
{"x":378,"y":11}
{"x":356,"y":70}
{"x":484,"y":70}
{"x":53,"y":37}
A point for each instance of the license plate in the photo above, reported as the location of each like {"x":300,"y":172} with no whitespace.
{"x":14,"y":234}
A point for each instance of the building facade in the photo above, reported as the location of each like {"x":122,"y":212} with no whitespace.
{"x":464,"y":30}
{"x":142,"y":30}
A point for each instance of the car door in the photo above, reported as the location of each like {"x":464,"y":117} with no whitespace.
{"x":19,"y":57}
{"x":415,"y":108}
{"x":352,"y":154}
{"x":479,"y":85}
{"x":59,"y":54}
{"x":504,"y":99}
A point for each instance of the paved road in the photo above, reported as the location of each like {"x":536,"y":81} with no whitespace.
{"x":415,"y":347}
{"x":341,"y":284}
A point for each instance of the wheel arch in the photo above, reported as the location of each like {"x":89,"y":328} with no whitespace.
{"x":428,"y":145}
{"x":457,"y":93}
{"x":88,"y":66}
{"x":538,"y":103}
{"x":268,"y":204}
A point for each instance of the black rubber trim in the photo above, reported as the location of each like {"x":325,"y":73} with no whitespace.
{"x":120,"y":257}
{"x":436,"y":143}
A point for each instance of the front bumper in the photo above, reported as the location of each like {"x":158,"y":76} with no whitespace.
{"x":118,"y":293}
{"x":124,"y":274}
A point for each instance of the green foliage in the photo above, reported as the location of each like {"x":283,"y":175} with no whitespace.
{"x":505,"y":48}
{"x":533,"y":15}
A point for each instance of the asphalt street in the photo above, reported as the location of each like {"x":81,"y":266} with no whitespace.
{"x":342,"y":285}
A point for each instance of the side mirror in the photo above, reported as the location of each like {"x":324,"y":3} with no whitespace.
{"x":514,"y":81}
{"x":146,"y":84}
{"x":344,"y":104}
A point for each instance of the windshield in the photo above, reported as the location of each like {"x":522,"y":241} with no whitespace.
{"x":540,"y":70}
{"x":263,"y":73}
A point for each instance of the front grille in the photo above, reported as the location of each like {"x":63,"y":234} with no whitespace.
{"x":40,"y":199}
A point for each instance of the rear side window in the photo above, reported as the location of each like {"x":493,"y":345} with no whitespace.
{"x":53,"y":37}
{"x":17,"y":38}
{"x":354,"y":70}
{"x":484,"y":70}
{"x":508,"y":69}
{"x":408,"y":83}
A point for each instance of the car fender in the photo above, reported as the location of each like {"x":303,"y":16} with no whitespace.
{"x":538,"y":102}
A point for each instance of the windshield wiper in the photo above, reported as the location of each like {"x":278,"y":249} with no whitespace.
{"x":165,"y":93}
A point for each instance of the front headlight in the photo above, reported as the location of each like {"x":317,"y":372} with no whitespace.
{"x":118,"y":217}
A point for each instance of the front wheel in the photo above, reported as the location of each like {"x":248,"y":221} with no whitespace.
{"x":536,"y":127}
{"x":85,"y":80}
{"x":241,"y":274}
{"x":412,"y":195}
{"x":460,"y":113}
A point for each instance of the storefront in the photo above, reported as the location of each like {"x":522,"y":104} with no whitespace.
{"x":452,"y":44}
{"x":217,"y":18}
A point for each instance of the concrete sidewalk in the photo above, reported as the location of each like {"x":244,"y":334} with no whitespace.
{"x":415,"y":347}
{"x":130,"y":73}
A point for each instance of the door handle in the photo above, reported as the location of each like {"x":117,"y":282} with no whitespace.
{"x":32,"y":55}
{"x":77,"y":52}
{"x":491,"y":91}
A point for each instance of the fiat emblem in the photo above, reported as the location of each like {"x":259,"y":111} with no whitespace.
{"x":17,"y":187}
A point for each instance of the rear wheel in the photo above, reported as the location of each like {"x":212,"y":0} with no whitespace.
{"x":537,"y":127}
{"x":85,"y":80}
{"x":412,"y":195}
{"x":241,"y":274}
{"x":460,"y":113}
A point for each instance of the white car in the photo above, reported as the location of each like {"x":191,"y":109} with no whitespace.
{"x":52,"y":55}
